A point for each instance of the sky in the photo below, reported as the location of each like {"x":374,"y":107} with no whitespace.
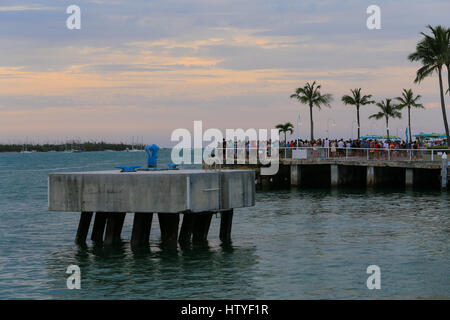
{"x":141,"y":69}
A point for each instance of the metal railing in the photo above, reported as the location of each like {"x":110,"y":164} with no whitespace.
{"x":381,"y":154}
{"x":322,"y":153}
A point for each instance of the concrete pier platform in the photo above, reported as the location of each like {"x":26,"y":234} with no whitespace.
{"x":197,"y":194}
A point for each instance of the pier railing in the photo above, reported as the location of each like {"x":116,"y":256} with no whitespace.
{"x":318,"y":153}
{"x":322,"y":153}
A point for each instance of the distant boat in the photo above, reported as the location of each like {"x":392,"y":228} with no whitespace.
{"x":133,"y":149}
{"x":25,"y":150}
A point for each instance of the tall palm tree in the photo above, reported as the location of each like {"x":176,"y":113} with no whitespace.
{"x":310,"y":95}
{"x":409,"y":101}
{"x":285,"y":127}
{"x":433,"y":52}
{"x":357,"y":100}
{"x":447,"y":61}
{"x":388,"y":110}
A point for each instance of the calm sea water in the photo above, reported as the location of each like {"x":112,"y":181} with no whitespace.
{"x":294,"y":244}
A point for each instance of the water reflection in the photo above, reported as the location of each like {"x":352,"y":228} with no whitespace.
{"x":208,"y":270}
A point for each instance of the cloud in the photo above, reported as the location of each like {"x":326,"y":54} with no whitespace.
{"x":433,"y":105}
{"x":25,"y":8}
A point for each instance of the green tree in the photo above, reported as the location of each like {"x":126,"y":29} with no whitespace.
{"x":310,"y":95}
{"x":407,"y":100}
{"x":286,"y":127}
{"x":433,"y":53}
{"x":357,"y":100}
{"x":388,"y":110}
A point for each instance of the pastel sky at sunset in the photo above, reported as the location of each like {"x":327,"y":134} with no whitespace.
{"x":145,"y":68}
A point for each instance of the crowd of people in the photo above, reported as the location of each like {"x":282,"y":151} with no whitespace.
{"x":325,"y":148}
{"x":359,"y":144}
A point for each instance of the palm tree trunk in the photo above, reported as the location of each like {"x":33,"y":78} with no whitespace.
{"x":357,"y":118}
{"x":387,"y":127}
{"x":448,"y":78}
{"x":312,"y":123}
{"x":444,"y":112}
{"x":409,"y":123}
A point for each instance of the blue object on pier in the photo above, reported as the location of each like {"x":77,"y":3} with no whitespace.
{"x":173,"y":166}
{"x":152,"y":154}
{"x":128,"y":169}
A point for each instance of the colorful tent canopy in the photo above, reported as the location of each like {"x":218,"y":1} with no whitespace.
{"x":430,"y":135}
{"x":381,"y":137}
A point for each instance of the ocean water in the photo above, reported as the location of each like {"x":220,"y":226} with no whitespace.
{"x":294,"y":244}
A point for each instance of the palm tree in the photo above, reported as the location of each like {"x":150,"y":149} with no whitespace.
{"x":447,"y":61}
{"x":388,"y":110}
{"x":286,"y":127}
{"x":408,"y":100}
{"x":310,"y":95}
{"x":357,"y":100}
{"x":433,"y":52}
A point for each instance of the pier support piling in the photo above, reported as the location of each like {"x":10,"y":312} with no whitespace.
{"x":295,"y":175}
{"x":99,"y":227}
{"x":226,"y":219}
{"x":409,"y":177}
{"x":187,"y":228}
{"x":201,"y":226}
{"x":83,"y":227}
{"x":168,"y":223}
{"x":334,"y":175}
{"x":142,"y":225}
{"x":370,"y":176}
{"x":114,"y":227}
{"x":444,"y":173}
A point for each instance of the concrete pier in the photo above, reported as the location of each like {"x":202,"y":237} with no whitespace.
{"x":201,"y":226}
{"x":226,"y":221}
{"x":409,"y":177}
{"x":83,"y":227}
{"x":295,"y":175}
{"x":370,"y":177}
{"x":98,"y":229}
{"x":168,"y":224}
{"x":196,"y":194}
{"x":445,"y":174}
{"x":142,"y":224}
{"x":341,"y":172}
{"x":334,"y":175}
{"x":114,"y":227}
{"x":187,"y":228}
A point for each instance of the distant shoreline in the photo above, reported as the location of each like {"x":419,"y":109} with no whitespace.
{"x":70,"y":147}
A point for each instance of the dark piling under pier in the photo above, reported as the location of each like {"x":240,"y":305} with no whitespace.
{"x":194,"y":228}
